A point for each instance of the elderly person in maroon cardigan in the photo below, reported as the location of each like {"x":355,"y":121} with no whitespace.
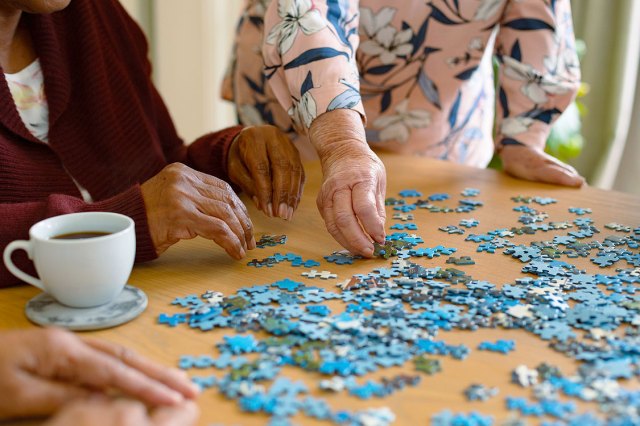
{"x":82,"y":128}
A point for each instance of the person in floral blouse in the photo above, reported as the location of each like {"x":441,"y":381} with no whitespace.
{"x":414,"y":77}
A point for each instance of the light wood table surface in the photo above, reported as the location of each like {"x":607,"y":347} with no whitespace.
{"x":192,"y":267}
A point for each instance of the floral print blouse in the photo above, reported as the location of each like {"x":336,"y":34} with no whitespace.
{"x":420,"y":72}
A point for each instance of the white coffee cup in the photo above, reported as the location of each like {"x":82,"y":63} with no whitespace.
{"x":82,"y":272}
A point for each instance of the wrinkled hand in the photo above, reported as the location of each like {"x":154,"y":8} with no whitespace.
{"x":531,"y":164}
{"x":351,"y":199}
{"x":44,"y":369}
{"x":102,"y":411}
{"x":183,"y":203}
{"x":266,"y":165}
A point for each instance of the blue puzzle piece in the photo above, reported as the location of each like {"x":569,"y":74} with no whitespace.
{"x":287,"y":284}
{"x":502,"y":346}
{"x":410,"y":193}
{"x":172,"y":320}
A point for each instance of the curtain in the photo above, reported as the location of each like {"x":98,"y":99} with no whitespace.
{"x":190,"y":43}
{"x":611,"y":128}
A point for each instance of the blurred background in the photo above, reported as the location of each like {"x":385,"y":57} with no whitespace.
{"x":600,"y":135}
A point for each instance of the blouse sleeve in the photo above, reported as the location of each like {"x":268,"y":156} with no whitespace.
{"x":309,"y":52}
{"x":539,"y":70}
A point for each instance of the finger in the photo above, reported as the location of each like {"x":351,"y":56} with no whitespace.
{"x":243,"y":217}
{"x":295,"y":191}
{"x":347,"y":224}
{"x":227,"y":214}
{"x":218,"y":231}
{"x":242,"y":214}
{"x":281,"y":175}
{"x":556,"y":174}
{"x":244,"y":181}
{"x":172,"y":378}
{"x":100,"y":370}
{"x":366,"y":210}
{"x":381,"y":190}
{"x":256,"y":160}
{"x":184,"y":414}
{"x":224,"y":193}
{"x":328,"y":216}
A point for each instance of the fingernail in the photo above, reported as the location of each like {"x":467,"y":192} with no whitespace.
{"x":290,"y":213}
{"x":196,"y":389}
{"x":270,"y":209}
{"x":282,"y":211}
{"x":255,"y":201}
{"x":252,"y":243}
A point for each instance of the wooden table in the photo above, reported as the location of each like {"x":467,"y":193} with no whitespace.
{"x":199,"y":265}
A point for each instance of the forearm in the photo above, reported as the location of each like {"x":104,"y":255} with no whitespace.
{"x":539,"y":71}
{"x":336,"y":132}
{"x":313,"y":70}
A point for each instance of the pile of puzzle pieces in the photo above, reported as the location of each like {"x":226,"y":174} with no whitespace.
{"x":393,"y":315}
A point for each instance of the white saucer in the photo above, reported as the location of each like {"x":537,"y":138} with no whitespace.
{"x":45,"y":310}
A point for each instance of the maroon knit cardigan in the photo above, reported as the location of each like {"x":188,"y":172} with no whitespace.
{"x":108,"y":127}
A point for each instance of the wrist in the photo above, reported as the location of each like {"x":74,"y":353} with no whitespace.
{"x":335,"y":130}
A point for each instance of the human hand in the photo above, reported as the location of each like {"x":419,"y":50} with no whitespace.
{"x":103,"y":411}
{"x":351,"y":199}
{"x":266,"y":165}
{"x":528,"y":163}
{"x":44,"y":369}
{"x":182,"y":203}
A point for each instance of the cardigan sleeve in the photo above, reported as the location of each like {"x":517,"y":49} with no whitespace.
{"x":539,"y":70}
{"x":309,"y":54}
{"x":17,"y":218}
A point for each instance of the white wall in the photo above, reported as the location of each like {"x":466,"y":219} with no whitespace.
{"x":191,"y":41}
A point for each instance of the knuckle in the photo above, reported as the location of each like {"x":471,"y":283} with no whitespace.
{"x":248,"y":226}
{"x":283,"y":164}
{"x":175,"y":168}
{"x":226,"y":187}
{"x":297,"y":168}
{"x":225,"y":210}
{"x":295,"y":198}
{"x":55,"y":338}
{"x":125,"y":354}
{"x":283,"y":194}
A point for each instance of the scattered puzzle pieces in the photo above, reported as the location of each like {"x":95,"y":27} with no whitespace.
{"x":390,"y":314}
{"x":476,"y":392}
{"x":271,"y":240}
{"x":325,"y":275}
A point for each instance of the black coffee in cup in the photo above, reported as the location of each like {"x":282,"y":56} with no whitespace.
{"x":80,"y":235}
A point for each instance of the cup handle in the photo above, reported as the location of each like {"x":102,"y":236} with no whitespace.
{"x":26,"y":246}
